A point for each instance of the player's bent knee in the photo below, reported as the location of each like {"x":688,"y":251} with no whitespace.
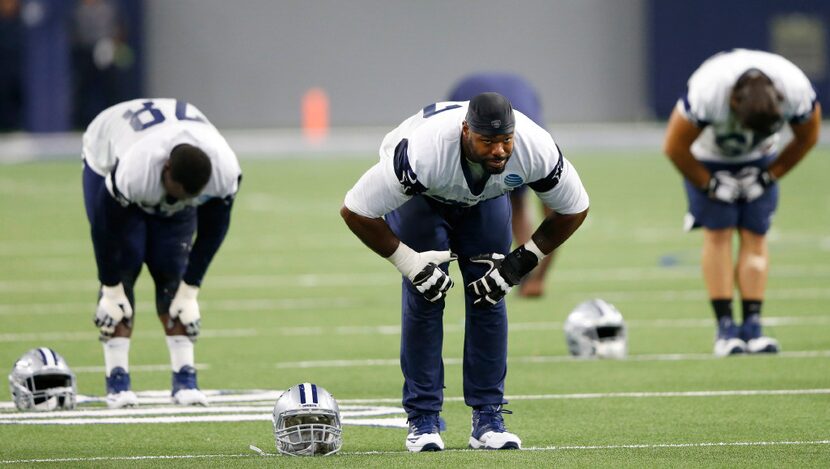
{"x":757,"y":262}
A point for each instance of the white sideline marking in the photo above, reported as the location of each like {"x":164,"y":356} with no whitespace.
{"x":261,"y":453}
{"x":539,"y":359}
{"x":395,"y":329}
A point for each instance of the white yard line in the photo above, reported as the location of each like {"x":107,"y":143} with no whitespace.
{"x":255,"y":305}
{"x":622,"y":395}
{"x":235,"y":282}
{"x":251,"y":305}
{"x":260,"y":453}
{"x":361,"y":406}
{"x":394,"y":329}
{"x":536,"y":359}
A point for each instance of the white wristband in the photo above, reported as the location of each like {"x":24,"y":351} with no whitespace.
{"x":187,"y":291}
{"x":532,"y":247}
{"x":404,"y":259}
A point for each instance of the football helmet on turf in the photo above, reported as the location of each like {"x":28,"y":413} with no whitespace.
{"x":307,"y":421}
{"x":41,"y":381}
{"x":595,"y":328}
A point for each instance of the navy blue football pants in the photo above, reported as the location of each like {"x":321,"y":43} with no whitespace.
{"x":427,"y":225}
{"x":163,"y":243}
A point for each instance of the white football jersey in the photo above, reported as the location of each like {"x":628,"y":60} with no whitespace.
{"x":130,"y":142}
{"x":423,"y":156}
{"x":706,"y":104}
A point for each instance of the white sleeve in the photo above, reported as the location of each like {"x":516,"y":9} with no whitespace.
{"x":799,"y":98}
{"x":569,"y":195}
{"x":377,"y":192}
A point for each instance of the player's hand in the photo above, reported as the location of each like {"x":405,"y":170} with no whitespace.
{"x":754,"y":182}
{"x":723,"y":187}
{"x":502,"y":274}
{"x":113,"y":307}
{"x":432,"y":282}
{"x":185,"y":308}
{"x":423,"y":270}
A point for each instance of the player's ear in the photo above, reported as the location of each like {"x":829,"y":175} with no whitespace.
{"x":734,"y":101}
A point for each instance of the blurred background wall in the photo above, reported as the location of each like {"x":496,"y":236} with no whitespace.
{"x":250,"y":63}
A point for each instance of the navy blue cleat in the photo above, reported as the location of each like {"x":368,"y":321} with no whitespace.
{"x":185,"y":390}
{"x":756,"y":342}
{"x":728,"y":341}
{"x":489,"y":431}
{"x":424,"y":433}
{"x":119,"y":394}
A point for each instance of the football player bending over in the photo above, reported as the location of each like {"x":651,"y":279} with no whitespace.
{"x":155,"y":172}
{"x":441,"y":183}
{"x":724,"y":137}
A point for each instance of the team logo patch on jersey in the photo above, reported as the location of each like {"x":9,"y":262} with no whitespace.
{"x":513,"y":180}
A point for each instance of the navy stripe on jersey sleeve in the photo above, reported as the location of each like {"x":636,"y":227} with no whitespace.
{"x":800,"y":119}
{"x":552,"y":179}
{"x":688,"y":108}
{"x":407,"y":177}
{"x":119,"y":196}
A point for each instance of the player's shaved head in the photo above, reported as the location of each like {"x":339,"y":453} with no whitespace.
{"x":190,"y":167}
{"x":756,"y":103}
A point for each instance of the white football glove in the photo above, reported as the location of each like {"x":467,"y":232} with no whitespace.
{"x":113,"y":307}
{"x":185,"y":307}
{"x":754,"y":182}
{"x":422,"y":269}
{"x":723,"y":187}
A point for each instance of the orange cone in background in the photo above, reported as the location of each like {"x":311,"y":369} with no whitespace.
{"x":315,"y":111}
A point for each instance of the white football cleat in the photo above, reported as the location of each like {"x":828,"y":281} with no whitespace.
{"x":496,"y":440}
{"x":756,"y":341}
{"x":185,"y":389}
{"x":424,"y":434}
{"x":190,"y":397}
{"x":762,"y":344}
{"x":489,"y":431}
{"x":122,"y":399}
{"x":725,"y":347}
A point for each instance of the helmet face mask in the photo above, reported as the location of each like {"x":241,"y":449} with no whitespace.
{"x":307,"y":422}
{"x":42,"y":381}
{"x":595,"y":328}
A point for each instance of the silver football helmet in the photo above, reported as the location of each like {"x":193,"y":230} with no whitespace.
{"x":307,"y":421}
{"x":595,"y":328}
{"x":41,"y":381}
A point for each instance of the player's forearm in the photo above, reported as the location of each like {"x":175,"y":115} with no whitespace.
{"x":689,"y":167}
{"x":790,"y":156}
{"x":214,"y":219}
{"x":106,"y":238}
{"x":679,"y":138}
{"x":373,"y":232}
{"x":805,"y":137}
{"x":556,"y":228}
